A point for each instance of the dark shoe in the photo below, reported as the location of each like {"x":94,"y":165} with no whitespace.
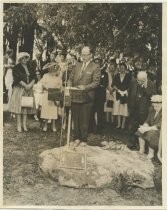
{"x":132,"y":147}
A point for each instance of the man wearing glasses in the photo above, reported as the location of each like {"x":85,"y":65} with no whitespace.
{"x":85,"y":76}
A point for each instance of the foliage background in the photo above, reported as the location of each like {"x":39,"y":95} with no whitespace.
{"x":128,"y":28}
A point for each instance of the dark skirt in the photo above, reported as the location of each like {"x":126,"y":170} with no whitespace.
{"x":152,"y":137}
{"x":15,"y":102}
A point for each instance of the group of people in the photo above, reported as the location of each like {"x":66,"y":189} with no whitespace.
{"x":129,"y":96}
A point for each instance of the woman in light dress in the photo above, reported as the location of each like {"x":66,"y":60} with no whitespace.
{"x":38,"y":91}
{"x":49,"y":109}
{"x":110,"y":92}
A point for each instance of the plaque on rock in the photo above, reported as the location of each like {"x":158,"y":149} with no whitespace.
{"x":73,"y":160}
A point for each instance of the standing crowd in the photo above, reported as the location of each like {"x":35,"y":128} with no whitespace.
{"x":122,"y":91}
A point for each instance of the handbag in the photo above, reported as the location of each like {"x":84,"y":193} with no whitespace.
{"x":123,"y":99}
{"x":110,"y":103}
{"x":55,"y":94}
{"x":27,"y":101}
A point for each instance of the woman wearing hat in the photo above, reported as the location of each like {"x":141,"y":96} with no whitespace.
{"x":23,"y":81}
{"x":150,"y":130}
{"x":52,"y":79}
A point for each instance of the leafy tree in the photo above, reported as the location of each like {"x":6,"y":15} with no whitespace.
{"x":126,"y":27}
{"x":20,"y":19}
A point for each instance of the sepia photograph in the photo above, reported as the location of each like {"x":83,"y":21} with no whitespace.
{"x":82,"y":104}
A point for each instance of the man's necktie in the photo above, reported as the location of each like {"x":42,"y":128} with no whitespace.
{"x":82,"y":69}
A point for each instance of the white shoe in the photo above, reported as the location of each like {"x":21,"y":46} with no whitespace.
{"x":83,"y":144}
{"x":36,"y":118}
{"x":77,"y":143}
{"x":141,"y":152}
{"x":25,"y":128}
{"x":44,"y":129}
{"x":54,"y":129}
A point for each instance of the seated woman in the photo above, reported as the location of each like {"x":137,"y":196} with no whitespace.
{"x":150,"y":130}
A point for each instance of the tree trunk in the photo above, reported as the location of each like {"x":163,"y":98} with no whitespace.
{"x":28,"y":34}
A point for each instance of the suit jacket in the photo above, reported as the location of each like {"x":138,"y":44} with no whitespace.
{"x":19,"y":74}
{"x":100,"y":92}
{"x":33,"y":65}
{"x":139,"y":98}
{"x":90,"y":78}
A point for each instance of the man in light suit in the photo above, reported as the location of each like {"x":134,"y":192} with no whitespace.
{"x":86,"y":76}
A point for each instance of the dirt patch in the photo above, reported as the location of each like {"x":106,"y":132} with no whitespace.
{"x":25,"y":185}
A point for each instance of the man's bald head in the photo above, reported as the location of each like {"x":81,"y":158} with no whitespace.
{"x":141,"y":77}
{"x":86,"y":53}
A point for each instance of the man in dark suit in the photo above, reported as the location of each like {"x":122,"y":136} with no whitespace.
{"x":86,"y":76}
{"x":100,"y":98}
{"x":139,"y":101}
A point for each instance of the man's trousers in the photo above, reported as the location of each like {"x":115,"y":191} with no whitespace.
{"x":81,"y":119}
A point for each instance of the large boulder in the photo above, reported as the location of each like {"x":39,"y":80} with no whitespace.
{"x":102,"y":167}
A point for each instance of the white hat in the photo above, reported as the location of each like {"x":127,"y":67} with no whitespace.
{"x":22,"y":55}
{"x":156,"y":99}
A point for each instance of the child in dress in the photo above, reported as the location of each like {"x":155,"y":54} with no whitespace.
{"x":52,"y":79}
{"x":38,"y":90}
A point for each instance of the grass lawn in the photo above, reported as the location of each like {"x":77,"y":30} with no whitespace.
{"x":25,"y":185}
